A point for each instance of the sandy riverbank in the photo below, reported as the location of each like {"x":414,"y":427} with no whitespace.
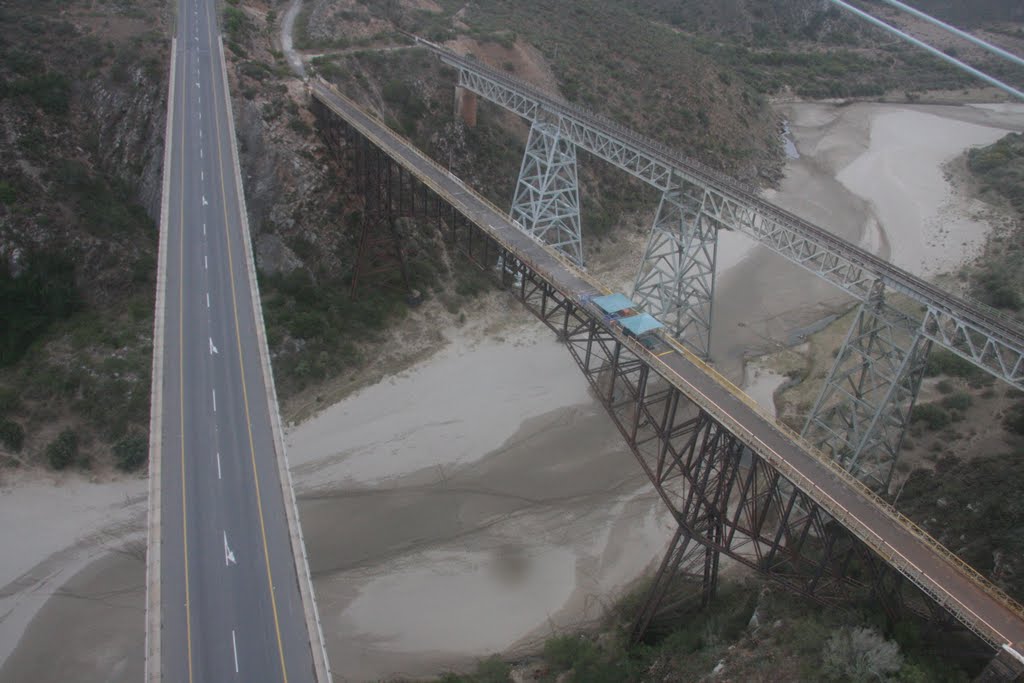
{"x":479,"y":500}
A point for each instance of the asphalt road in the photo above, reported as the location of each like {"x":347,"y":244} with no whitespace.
{"x":230,"y":602}
{"x":887,"y":535}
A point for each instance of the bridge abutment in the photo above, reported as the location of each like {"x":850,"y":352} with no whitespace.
{"x":1005,"y":667}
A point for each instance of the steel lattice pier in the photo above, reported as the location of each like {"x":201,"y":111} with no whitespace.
{"x":725,"y":498}
{"x":728,"y":494}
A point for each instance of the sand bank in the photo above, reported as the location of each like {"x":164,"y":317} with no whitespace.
{"x":495,"y":502}
{"x":929,"y":226}
{"x":482,"y":500}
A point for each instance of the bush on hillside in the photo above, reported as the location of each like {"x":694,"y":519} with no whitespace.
{"x":1014,"y":420}
{"x":960,"y":400}
{"x":42,"y":293}
{"x":12,"y":435}
{"x":62,"y":452}
{"x":860,"y":655}
{"x":945,"y":362}
{"x":131,"y":451}
{"x":931,"y":414}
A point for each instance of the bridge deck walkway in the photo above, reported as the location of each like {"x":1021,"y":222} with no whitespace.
{"x":959,"y":588}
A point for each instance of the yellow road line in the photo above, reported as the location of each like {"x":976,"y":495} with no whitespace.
{"x":181,"y":361}
{"x":901,"y":521}
{"x":241,"y":368}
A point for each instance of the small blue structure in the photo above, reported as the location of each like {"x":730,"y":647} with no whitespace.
{"x":638,"y":325}
{"x":619,"y":308}
{"x":613,"y":303}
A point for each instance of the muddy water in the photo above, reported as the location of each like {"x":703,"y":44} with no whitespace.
{"x":482,"y":500}
{"x":478,"y":531}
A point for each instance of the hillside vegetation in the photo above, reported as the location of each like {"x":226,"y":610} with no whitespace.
{"x":82,"y":110}
{"x":999,"y":278}
{"x":752,"y":632}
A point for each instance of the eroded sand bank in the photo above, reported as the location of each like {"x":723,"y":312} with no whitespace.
{"x":482,"y":500}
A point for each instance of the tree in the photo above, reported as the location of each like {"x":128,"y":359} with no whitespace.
{"x":63,"y":450}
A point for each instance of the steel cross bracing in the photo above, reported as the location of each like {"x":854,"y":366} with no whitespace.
{"x":676,"y":281}
{"x":547,"y":201}
{"x":782,"y":506}
{"x":864,"y":407}
{"x":725,"y":498}
{"x":989,"y":339}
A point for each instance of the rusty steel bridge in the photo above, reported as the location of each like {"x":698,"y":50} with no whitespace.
{"x":797,"y":508}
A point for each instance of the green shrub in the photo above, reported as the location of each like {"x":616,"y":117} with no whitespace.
{"x":931,"y":414}
{"x":236,"y":23}
{"x":7,"y":193}
{"x":945,"y":362}
{"x":49,"y":91}
{"x":563,"y":652}
{"x":300,"y":126}
{"x":860,"y":655}
{"x":1014,"y":420}
{"x":945,"y":387}
{"x":131,"y":451}
{"x":12,"y":435}
{"x":961,"y":400}
{"x":41,"y":294}
{"x":492,"y":670}
{"x":63,"y":451}
{"x":9,"y":400}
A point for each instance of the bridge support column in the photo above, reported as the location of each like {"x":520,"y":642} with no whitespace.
{"x":863,"y":410}
{"x":676,"y":281}
{"x":547,"y":202}
{"x":684,"y":559}
{"x":465,"y":105}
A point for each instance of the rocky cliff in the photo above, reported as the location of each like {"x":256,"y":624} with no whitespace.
{"x":82,"y":102}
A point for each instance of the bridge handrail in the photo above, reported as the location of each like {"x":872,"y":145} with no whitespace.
{"x":970,"y":572}
{"x":1011,"y":327}
{"x":794,"y":475}
{"x":890,"y":554}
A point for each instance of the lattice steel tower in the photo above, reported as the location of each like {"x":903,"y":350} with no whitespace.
{"x":547,"y":200}
{"x":864,"y":408}
{"x":676,"y":282}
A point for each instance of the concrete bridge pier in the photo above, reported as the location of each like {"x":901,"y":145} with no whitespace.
{"x":465,"y":105}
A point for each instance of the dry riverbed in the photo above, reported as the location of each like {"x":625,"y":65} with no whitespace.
{"x":480,"y":500}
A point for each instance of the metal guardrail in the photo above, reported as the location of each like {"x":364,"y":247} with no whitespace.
{"x":985,"y":319}
{"x":890,"y":554}
{"x":893,"y":556}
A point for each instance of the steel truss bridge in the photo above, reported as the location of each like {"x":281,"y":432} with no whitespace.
{"x":864,"y":407}
{"x":737,"y":482}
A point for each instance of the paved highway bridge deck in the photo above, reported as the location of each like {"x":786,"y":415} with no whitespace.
{"x":229,"y":597}
{"x":957,"y":587}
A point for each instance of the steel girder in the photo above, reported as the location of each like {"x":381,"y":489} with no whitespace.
{"x":676,"y":280}
{"x":520,"y":103}
{"x":864,"y":407}
{"x":981,"y":335}
{"x":975,"y":343}
{"x":387,"y":193}
{"x":725,"y":498}
{"x":546,"y":203}
{"x":701,"y":470}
